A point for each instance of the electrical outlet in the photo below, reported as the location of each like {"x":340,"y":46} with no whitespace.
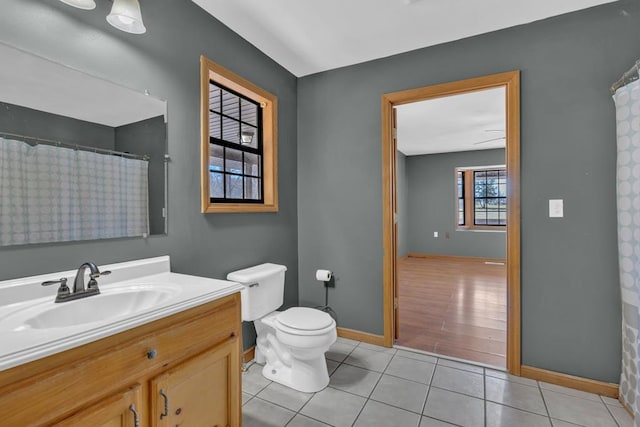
{"x":556,"y":208}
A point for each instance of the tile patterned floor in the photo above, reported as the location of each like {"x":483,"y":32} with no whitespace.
{"x":376,"y":386}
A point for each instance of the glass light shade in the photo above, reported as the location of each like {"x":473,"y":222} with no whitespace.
{"x":81,"y":4}
{"x":126,"y":16}
{"x":246,"y":136}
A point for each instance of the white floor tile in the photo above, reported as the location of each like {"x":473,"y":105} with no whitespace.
{"x":246,"y":397}
{"x":570,"y":391}
{"x":402,"y":393}
{"x":431,"y":422}
{"x":377,"y":414}
{"x":348,"y":341}
{"x":354,"y":380}
{"x":611,"y":401}
{"x":455,"y":408}
{"x":253,"y":381}
{"x":339,"y":351}
{"x":505,"y":416}
{"x":576,"y":410}
{"x":517,"y":395}
{"x":331,"y":366}
{"x":621,"y":416}
{"x":459,"y":381}
{"x":284,"y":396}
{"x":302,"y":421}
{"x":335,"y":407}
{"x":508,"y":377}
{"x":388,"y":350}
{"x":410,"y":369}
{"x":417,"y":356}
{"x":258,"y":413}
{"x":369,"y":359}
{"x":460,"y":365}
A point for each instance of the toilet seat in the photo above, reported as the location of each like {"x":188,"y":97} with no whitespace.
{"x":304,"y":321}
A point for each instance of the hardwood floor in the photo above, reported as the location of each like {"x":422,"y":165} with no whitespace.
{"x":453,"y":306}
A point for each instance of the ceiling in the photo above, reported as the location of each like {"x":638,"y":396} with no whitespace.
{"x":308,"y":37}
{"x":465,"y":122}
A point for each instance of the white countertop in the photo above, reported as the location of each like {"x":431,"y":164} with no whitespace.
{"x":21,"y":299}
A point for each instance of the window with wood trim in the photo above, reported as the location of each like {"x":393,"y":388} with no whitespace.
{"x":239,"y":143}
{"x":481,"y":197}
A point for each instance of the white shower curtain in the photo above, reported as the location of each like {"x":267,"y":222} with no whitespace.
{"x":627,"y":101}
{"x":53,"y":194}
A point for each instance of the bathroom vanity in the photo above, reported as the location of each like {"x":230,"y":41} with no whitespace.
{"x":172,"y":359}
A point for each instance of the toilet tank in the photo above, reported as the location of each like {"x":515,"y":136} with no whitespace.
{"x":263,"y":289}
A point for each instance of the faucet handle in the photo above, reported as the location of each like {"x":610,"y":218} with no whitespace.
{"x":98,"y":274}
{"x":63,"y":289}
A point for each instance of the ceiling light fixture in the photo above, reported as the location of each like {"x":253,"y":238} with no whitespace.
{"x":81,"y":4}
{"x":126,"y":16}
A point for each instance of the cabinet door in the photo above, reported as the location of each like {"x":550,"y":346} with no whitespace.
{"x":119,"y":410}
{"x":203,"y":391}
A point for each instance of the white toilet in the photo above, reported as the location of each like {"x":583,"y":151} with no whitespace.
{"x":290,"y":343}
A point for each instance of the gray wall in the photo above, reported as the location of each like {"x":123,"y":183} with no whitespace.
{"x":402,"y":194}
{"x":27,"y":121}
{"x":432,"y":204}
{"x":165,"y":61}
{"x":148,"y":137}
{"x":570,"y":294}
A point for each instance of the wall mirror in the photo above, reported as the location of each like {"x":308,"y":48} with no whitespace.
{"x":81,"y":158}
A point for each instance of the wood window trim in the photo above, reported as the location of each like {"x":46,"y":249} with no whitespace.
{"x":209,"y":70}
{"x":469,"y":211}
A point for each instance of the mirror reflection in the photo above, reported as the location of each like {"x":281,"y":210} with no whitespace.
{"x":81,"y":158}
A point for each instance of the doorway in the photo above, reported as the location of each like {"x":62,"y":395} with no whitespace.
{"x":508,"y":81}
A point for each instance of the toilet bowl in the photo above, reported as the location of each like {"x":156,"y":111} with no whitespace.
{"x":291,"y":344}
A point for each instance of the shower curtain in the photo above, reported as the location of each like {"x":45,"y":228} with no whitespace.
{"x":627,"y":102}
{"x":53,"y":194}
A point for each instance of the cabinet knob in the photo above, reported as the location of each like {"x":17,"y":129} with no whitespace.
{"x":151,"y":354}
{"x":178,"y":411}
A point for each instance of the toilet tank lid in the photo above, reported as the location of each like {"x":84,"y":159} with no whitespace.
{"x":255,"y":273}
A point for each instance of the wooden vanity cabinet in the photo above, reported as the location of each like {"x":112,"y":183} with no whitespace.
{"x":182,"y":370}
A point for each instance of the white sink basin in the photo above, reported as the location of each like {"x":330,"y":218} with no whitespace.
{"x":137,"y":292}
{"x":110,"y":304}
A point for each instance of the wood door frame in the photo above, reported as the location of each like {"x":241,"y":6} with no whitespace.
{"x":511,"y":82}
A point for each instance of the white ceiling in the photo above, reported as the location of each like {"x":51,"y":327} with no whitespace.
{"x":40,"y":84}
{"x":307,"y":36}
{"x":465,"y":122}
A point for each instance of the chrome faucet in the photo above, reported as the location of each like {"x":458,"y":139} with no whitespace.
{"x":79,"y":289}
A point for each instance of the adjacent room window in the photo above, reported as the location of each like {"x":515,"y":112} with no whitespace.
{"x":481,"y":197}
{"x":239,"y":143}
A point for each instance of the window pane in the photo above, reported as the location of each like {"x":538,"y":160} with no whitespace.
{"x":252,"y":188}
{"x":214,"y":98}
{"x":481,"y":217}
{"x":502,"y":190}
{"x":214,"y":125}
{"x":234,"y":187}
{"x":216,"y":158}
{"x":460,"y":218}
{"x":230,"y":105}
{"x":249,"y":113}
{"x":234,"y":161}
{"x":230,"y":130}
{"x":480,"y":175}
{"x":216,"y":185}
{"x":252,"y":164}
{"x":480,"y":190}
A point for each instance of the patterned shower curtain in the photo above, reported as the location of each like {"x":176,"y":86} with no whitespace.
{"x":627,"y":101}
{"x":53,"y":194}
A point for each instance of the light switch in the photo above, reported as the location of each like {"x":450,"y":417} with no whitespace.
{"x":556,"y":208}
{"x":435,"y":234}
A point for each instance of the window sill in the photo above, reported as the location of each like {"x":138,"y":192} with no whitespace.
{"x":481,"y":229}
{"x":240,"y":208}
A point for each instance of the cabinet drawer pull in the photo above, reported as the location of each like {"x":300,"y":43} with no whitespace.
{"x":151,"y":354}
{"x":166,"y":404}
{"x":136,"y":418}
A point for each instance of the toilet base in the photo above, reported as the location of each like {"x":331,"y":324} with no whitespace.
{"x":308,"y":376}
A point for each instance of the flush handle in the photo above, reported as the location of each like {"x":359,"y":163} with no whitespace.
{"x":253,"y":285}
